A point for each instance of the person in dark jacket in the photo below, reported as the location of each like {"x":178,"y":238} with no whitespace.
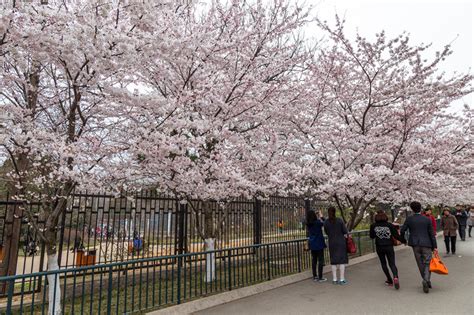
{"x":422,"y":240}
{"x":314,"y":223}
{"x":461,"y":216}
{"x":337,"y":233}
{"x":470,"y":220}
{"x":384,"y":232}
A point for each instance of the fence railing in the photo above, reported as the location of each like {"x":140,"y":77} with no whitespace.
{"x":111,"y":228}
{"x":150,"y":283}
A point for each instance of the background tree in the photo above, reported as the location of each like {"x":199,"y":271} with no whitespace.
{"x":214,"y":99}
{"x":384,"y":133}
{"x":62,"y":67}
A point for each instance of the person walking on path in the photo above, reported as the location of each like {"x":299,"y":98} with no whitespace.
{"x":449,"y":224}
{"x":422,"y":240}
{"x":470,"y":221}
{"x":461,"y":216}
{"x":428,"y":213}
{"x":314,"y":223}
{"x":337,"y":233}
{"x":384,"y":232}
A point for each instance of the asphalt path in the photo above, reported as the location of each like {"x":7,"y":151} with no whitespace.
{"x":366,"y":292}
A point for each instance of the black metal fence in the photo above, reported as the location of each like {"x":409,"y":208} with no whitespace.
{"x":144,"y":284}
{"x":103,"y":228}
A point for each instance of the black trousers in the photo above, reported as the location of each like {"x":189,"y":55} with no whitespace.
{"x":470,"y":228}
{"x":386,"y":253}
{"x":447,"y":239}
{"x":317,"y":259}
{"x":462,"y":232}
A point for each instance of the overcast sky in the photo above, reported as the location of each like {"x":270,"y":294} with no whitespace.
{"x":439,"y":22}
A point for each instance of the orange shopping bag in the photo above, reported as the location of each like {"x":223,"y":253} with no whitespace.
{"x":437,"y":266}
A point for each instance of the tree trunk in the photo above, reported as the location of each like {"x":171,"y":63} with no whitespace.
{"x":54,"y":286}
{"x":209,"y":241}
{"x":357,"y":206}
{"x":210,"y":259}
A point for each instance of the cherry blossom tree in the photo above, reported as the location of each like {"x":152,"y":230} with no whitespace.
{"x":63,"y":67}
{"x":214,"y":100}
{"x":382,"y":131}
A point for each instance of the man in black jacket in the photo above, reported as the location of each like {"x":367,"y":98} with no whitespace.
{"x":422,"y":240}
{"x":461,"y":216}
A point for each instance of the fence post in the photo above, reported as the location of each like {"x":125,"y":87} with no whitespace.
{"x":61,"y":233}
{"x":268,"y":263}
{"x":307,"y":208}
{"x":109,"y":292}
{"x":11,"y":286}
{"x":307,"y":205}
{"x":257,"y":221}
{"x":229,"y":266}
{"x":299,"y":256}
{"x":358,"y":244}
{"x":178,"y":294}
{"x":182,"y":210}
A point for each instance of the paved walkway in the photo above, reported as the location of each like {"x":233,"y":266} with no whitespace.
{"x":367,"y":294}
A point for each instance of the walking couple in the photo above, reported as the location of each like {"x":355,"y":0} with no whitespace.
{"x":421,"y":239}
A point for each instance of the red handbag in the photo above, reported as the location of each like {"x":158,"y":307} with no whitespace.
{"x":351,"y":246}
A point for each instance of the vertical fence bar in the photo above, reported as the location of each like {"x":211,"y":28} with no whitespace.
{"x":182,"y":210}
{"x":178,"y":293}
{"x":257,"y":220}
{"x":229,"y":268}
{"x":268,"y":262}
{"x":61,"y":235}
{"x":11,"y":287}
{"x":307,"y":205}
{"x":109,"y":292}
{"x":358,"y":243}
{"x":299,"y":256}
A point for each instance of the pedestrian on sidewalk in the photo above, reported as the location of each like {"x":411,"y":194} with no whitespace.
{"x":470,"y":222}
{"x":337,"y":233}
{"x":422,"y":240}
{"x":449,"y":224}
{"x":461,"y":216}
{"x":384,"y":234}
{"x":428,"y":213}
{"x":314,"y":223}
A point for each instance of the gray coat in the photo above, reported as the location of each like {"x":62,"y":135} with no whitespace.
{"x":421,"y":231}
{"x":337,"y":242}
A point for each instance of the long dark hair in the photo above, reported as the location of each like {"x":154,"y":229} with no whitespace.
{"x":310,"y":217}
{"x":332,"y":214}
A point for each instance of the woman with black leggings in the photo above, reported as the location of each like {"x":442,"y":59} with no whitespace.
{"x":384,"y":232}
{"x":317,"y":244}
